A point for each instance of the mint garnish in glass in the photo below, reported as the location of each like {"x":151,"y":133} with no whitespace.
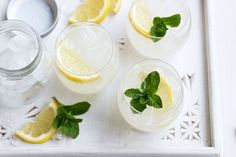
{"x":146,"y":94}
{"x":160,"y":26}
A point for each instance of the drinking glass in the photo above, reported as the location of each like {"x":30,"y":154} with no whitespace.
{"x":151,"y":119}
{"x":92,"y":60}
{"x":175,"y":37}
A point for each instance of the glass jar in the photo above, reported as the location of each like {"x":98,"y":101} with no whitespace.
{"x":25,"y":66}
{"x":153,"y":119}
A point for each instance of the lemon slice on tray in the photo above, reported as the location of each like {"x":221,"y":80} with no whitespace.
{"x":115,"y":6}
{"x":73,"y":64}
{"x":40,"y":130}
{"x":141,"y":19}
{"x":91,"y":10}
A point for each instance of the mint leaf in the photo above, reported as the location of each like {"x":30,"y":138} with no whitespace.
{"x":172,"y":21}
{"x":144,"y":100}
{"x":137,"y":106}
{"x":151,"y":83}
{"x":155,"y":101}
{"x":74,"y":129}
{"x":70,"y":128}
{"x":153,"y":34}
{"x":65,"y":128}
{"x":57,"y":122}
{"x":133,"y":93}
{"x":78,"y":120}
{"x":78,"y":108}
{"x":67,"y":123}
{"x":65,"y":119}
{"x":60,"y":118}
{"x":158,"y":29}
{"x":146,"y":95}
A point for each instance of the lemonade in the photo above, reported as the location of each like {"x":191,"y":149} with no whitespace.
{"x":141,"y":16}
{"x":86,"y":58}
{"x":170,"y":91}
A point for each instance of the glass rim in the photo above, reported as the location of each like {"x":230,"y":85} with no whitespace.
{"x":180,"y":98}
{"x":79,"y":24}
{"x":21,"y":26}
{"x":154,"y":37}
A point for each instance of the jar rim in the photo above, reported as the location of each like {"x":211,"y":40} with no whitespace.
{"x":20,"y":26}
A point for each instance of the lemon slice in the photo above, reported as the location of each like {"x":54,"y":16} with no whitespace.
{"x":165,"y":92}
{"x":115,"y":6}
{"x":141,"y":19}
{"x":74,"y":64}
{"x":91,"y":10}
{"x":40,"y":130}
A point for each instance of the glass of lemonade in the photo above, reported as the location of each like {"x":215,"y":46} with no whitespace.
{"x":170,"y":90}
{"x":141,"y":16}
{"x":86,"y":58}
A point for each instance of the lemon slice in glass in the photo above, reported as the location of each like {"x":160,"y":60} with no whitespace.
{"x":91,"y":10}
{"x":40,"y":130}
{"x":165,"y":92}
{"x":74,"y":68}
{"x":115,"y":6}
{"x":141,"y":19}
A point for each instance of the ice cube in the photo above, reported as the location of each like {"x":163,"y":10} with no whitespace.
{"x":5,"y":59}
{"x":87,"y":37}
{"x":21,"y":52}
{"x":4,"y":39}
{"x":20,"y":44}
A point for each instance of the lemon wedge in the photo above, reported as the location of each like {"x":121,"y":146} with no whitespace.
{"x":91,"y":10}
{"x":140,"y":19}
{"x":73,"y":64}
{"x":115,"y":6}
{"x":40,"y":130}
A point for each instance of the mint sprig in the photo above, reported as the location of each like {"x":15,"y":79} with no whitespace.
{"x":159,"y":28}
{"x":65,"y":119}
{"x":146,"y":94}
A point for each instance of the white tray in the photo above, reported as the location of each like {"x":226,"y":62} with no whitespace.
{"x":104,"y":132}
